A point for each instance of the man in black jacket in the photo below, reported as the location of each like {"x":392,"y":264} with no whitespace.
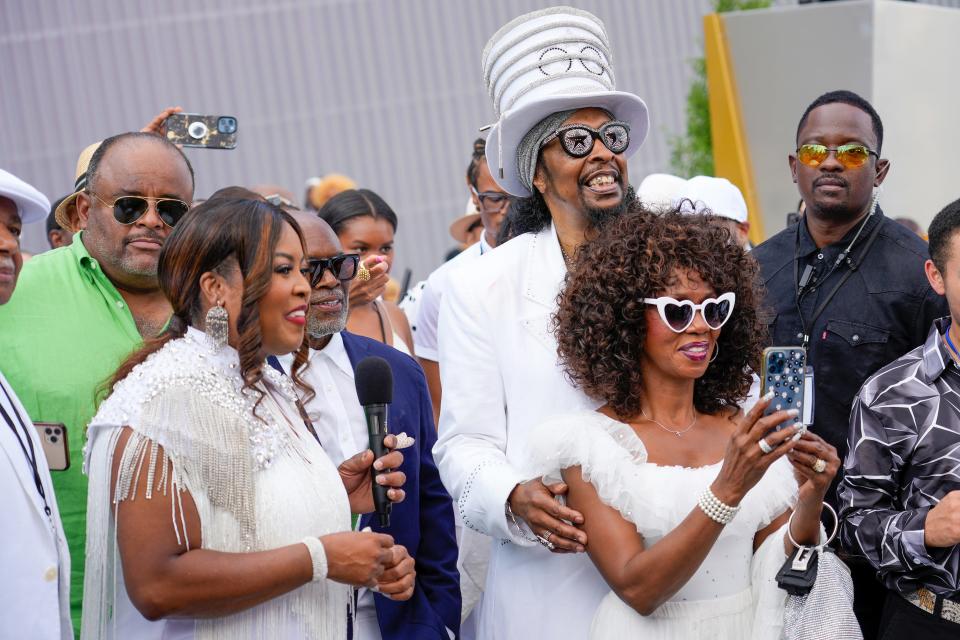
{"x":846,"y":282}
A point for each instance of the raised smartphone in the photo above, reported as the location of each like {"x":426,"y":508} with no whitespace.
{"x":206,"y":131}
{"x":53,"y":440}
{"x":784,"y":372}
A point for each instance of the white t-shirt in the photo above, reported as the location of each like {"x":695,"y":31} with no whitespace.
{"x":425,"y":338}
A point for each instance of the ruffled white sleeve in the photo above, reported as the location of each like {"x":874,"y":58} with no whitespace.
{"x":608,"y":453}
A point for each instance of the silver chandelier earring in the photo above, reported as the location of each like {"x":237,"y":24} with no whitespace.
{"x":216,"y":325}
{"x":716,"y":352}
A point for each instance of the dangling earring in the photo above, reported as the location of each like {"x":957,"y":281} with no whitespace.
{"x":876,"y":198}
{"x":716,"y":352}
{"x":217,"y":326}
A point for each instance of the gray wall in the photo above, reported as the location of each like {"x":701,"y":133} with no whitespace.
{"x":386,"y":91}
{"x":785,"y":57}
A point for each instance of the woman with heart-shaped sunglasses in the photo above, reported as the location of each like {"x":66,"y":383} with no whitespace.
{"x":688,"y":503}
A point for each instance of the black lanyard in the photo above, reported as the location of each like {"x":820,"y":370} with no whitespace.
{"x":31,"y":455}
{"x":843,"y":257}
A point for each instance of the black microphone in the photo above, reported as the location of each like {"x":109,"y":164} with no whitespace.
{"x":374,"y":380}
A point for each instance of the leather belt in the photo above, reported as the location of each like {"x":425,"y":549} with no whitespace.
{"x":939,"y":606}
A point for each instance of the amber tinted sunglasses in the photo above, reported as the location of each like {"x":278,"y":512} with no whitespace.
{"x":850,"y":156}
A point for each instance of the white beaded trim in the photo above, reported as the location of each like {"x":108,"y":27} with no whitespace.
{"x":318,"y":555}
{"x":714,"y":509}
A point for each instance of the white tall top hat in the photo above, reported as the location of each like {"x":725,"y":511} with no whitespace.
{"x":543,"y":62}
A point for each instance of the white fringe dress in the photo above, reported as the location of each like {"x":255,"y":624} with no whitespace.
{"x":733,"y":595}
{"x":258,"y":481}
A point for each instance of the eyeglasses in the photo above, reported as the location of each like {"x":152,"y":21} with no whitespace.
{"x":577,"y":139}
{"x":343,"y":267}
{"x":129,"y":209}
{"x":851,"y":156}
{"x":491,"y":201}
{"x":679,"y":314}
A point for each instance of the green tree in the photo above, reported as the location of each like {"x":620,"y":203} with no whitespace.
{"x":691,"y":154}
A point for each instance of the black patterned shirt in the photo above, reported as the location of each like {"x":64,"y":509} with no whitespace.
{"x":904,"y":456}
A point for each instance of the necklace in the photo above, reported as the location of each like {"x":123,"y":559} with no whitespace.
{"x":666,"y":428}
{"x":563,"y":252}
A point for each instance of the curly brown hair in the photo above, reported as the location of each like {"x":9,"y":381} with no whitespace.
{"x":600,"y":324}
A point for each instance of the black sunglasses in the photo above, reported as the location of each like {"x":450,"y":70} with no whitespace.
{"x":129,"y":209}
{"x":577,"y":139}
{"x":491,"y":201}
{"x":343,"y":267}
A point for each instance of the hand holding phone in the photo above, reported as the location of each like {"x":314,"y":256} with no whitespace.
{"x":196,"y":130}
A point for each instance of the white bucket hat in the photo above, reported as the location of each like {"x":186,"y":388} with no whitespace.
{"x":543,"y":62}
{"x":719,"y":195}
{"x":31,"y":204}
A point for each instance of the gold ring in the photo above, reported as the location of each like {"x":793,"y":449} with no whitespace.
{"x":363,"y":274}
{"x":820,"y":465}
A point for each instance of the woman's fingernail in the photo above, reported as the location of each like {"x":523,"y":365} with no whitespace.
{"x":378,"y":465}
{"x":793,"y":412}
{"x":798,"y":436}
{"x":768,"y":395}
{"x":381,"y":480}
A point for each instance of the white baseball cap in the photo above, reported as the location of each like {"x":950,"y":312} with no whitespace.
{"x":661,"y":190}
{"x":720,"y":196}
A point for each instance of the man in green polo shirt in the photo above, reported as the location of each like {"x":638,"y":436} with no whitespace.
{"x":79,"y":310}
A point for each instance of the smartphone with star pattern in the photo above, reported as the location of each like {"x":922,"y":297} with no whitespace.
{"x":784,"y":372}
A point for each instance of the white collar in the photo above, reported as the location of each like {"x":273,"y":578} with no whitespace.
{"x":336,"y":352}
{"x":484,"y":245}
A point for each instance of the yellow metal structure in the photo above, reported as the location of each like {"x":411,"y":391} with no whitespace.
{"x":731,"y":154}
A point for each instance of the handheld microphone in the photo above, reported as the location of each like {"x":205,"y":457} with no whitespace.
{"x":374,"y":380}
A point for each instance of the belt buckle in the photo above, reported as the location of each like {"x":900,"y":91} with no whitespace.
{"x":926,"y":600}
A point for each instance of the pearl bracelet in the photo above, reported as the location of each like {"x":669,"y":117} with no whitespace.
{"x":318,"y":555}
{"x":714,"y":509}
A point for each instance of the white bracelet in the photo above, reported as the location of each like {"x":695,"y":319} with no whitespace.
{"x":714,"y":509}
{"x":318,"y":555}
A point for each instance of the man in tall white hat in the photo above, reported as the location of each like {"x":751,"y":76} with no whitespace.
{"x":560,"y":144}
{"x":723,"y":199}
{"x":35,"y":591}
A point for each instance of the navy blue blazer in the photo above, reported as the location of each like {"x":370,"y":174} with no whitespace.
{"x":423,"y":522}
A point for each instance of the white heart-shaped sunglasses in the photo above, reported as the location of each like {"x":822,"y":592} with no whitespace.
{"x":679,"y":314}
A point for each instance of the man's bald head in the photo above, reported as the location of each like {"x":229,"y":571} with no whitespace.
{"x":321,"y":241}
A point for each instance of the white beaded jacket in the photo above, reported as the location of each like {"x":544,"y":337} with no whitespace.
{"x":257,"y":477}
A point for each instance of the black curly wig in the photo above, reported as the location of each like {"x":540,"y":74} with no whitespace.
{"x":600,"y":323}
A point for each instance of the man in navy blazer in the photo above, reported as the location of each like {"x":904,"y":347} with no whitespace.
{"x":423,"y":522}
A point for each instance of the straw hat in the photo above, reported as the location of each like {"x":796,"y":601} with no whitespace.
{"x":66,"y":213}
{"x":461,"y":226}
{"x":543,"y":62}
{"x":31,"y":204}
{"x":719,"y":195}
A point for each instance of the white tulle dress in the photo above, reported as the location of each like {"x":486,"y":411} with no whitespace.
{"x":733,"y":595}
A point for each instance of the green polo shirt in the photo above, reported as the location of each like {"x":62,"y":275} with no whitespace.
{"x":62,"y":334}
